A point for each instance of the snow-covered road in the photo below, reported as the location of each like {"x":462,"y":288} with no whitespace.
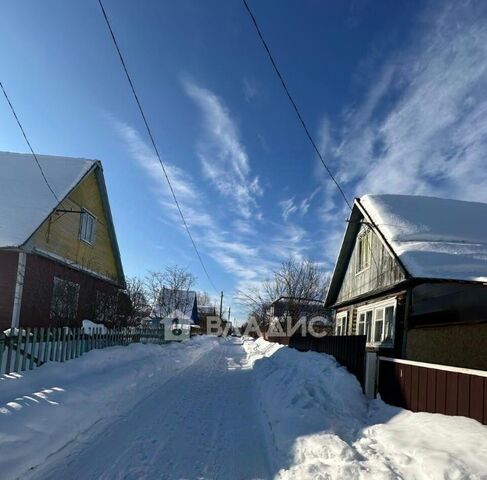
{"x":199,"y":424}
{"x":212,"y":409}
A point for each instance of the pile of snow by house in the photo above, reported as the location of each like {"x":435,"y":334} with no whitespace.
{"x":43,"y":410}
{"x":433,"y":237}
{"x":320,"y":425}
{"x":25,"y":199}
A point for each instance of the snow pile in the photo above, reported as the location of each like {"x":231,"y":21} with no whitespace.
{"x":322,"y":427}
{"x":89,"y":327}
{"x":433,"y":237}
{"x":44,"y":410}
{"x":25,"y":199}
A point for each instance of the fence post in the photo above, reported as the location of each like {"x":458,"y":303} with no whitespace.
{"x":48,"y":345}
{"x":17,"y":351}
{"x":41,"y":347}
{"x":2,"y":349}
{"x":24,"y":353}
{"x":370,"y":384}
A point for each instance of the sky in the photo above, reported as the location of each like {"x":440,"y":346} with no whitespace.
{"x":393,"y":92}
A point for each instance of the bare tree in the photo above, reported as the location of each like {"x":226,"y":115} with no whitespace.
{"x":302,"y":286}
{"x":203,"y":298}
{"x":137,"y":293}
{"x":168,"y":290}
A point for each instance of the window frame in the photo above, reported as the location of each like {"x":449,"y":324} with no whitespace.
{"x":341,"y":319}
{"x":374,"y":308}
{"x":85,"y":213}
{"x":363,"y":237}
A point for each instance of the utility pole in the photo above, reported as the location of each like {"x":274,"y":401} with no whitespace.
{"x":221,"y":305}
{"x":229,"y":313}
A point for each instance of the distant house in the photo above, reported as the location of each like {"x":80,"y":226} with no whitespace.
{"x":411,"y":275}
{"x":296,"y":308}
{"x":59,"y":260}
{"x":175,"y":304}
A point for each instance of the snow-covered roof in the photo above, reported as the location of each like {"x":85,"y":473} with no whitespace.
{"x":433,"y":237}
{"x":25,"y":199}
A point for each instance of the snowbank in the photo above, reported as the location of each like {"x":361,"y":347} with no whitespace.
{"x":88,"y":327}
{"x":43,"y":410}
{"x":322,"y":427}
{"x":433,"y":237}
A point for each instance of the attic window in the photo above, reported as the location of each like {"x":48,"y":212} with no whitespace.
{"x":363,"y":253}
{"x":87,"y":229}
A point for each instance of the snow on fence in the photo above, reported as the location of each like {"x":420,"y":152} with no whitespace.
{"x":29,"y":348}
{"x":428,"y":387}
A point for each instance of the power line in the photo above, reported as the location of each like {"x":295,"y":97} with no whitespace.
{"x":153,"y":142}
{"x":28,"y":143}
{"x":293,"y":103}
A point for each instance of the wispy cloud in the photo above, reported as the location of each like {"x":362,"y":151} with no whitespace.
{"x":422,"y":127}
{"x":241,"y":252}
{"x":288,"y":207}
{"x":223,"y":157}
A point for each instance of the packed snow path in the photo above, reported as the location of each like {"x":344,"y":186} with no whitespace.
{"x":199,"y":424}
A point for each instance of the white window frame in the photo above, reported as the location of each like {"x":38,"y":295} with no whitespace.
{"x":363,"y":236}
{"x":374,"y":308}
{"x":341,"y":323}
{"x":83,"y":235}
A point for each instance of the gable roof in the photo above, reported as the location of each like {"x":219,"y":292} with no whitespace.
{"x":430,"y":238}
{"x":433,"y":237}
{"x":25,"y":199}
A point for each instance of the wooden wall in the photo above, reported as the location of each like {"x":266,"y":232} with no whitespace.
{"x":8,"y":276}
{"x":38,"y":287}
{"x":60,"y":233}
{"x":382,"y":272}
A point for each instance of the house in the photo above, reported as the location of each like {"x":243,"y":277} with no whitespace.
{"x":59,"y":258}
{"x":411,"y":275}
{"x":296,"y":308}
{"x":175,"y":304}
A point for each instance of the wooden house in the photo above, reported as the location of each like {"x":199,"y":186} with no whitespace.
{"x":59,"y":258}
{"x":411,"y":275}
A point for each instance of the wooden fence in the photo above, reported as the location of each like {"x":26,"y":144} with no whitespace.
{"x":348,"y":350}
{"x":426,"y":387}
{"x":29,"y":348}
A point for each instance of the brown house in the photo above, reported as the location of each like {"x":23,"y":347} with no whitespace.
{"x":59,"y":258}
{"x":411,"y":275}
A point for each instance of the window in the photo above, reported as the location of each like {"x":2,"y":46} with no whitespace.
{"x":87,"y":229}
{"x":376,"y":321}
{"x":363,"y":252}
{"x":64,"y":301}
{"x":341,"y":323}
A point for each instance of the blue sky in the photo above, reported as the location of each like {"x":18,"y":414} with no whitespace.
{"x":394,"y":92}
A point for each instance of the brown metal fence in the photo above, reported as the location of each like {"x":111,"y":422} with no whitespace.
{"x":348,"y":350}
{"x":433,"y":388}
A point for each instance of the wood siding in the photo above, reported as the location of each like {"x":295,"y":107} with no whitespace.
{"x":383,"y":271}
{"x":38,"y":288}
{"x":8,"y":276}
{"x":59,"y":234}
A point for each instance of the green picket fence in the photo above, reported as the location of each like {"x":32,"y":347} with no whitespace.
{"x":30,"y":348}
